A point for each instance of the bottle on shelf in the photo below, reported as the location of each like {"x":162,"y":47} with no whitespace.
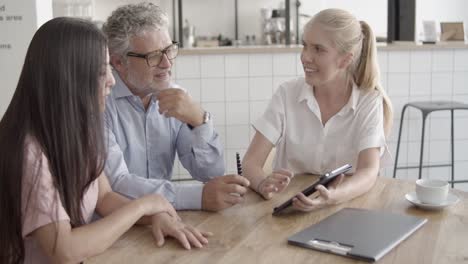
{"x":79,"y":8}
{"x":189,"y":35}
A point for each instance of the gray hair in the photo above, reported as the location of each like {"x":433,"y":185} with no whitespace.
{"x":132,"y":20}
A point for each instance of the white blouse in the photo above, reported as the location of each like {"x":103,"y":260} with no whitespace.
{"x":292,"y":122}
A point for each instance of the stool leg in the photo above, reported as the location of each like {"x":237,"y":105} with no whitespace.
{"x":422,"y":144}
{"x":399,"y":139}
{"x":452,"y":146}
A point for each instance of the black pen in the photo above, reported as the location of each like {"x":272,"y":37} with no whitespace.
{"x":239,"y":165}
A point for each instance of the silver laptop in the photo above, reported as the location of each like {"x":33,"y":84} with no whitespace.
{"x":358,"y":233}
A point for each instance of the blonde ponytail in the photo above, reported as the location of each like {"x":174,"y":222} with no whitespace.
{"x":367,"y":75}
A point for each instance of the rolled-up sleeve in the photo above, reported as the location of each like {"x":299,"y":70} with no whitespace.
{"x":200,"y":151}
{"x":371,"y":133}
{"x":271,"y":123}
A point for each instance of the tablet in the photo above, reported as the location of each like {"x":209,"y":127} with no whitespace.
{"x":324,"y":180}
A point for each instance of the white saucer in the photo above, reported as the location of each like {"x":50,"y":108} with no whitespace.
{"x":451,"y":200}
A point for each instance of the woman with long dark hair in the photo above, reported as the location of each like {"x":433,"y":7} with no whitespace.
{"x":53,"y":153}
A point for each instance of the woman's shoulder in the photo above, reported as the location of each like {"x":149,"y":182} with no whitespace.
{"x":36,"y":174}
{"x":369,"y":97}
{"x":293,"y":83}
{"x":34,"y":157}
{"x":292,"y":87}
{"x":31,"y":147}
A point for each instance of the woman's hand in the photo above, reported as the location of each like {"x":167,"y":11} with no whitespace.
{"x":165,"y":225}
{"x":326,"y":197}
{"x":156,"y":203}
{"x":276,"y":182}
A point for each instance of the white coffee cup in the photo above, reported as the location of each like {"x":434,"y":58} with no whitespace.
{"x":432,"y":191}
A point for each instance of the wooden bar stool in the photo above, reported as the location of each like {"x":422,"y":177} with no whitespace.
{"x":427,"y":107}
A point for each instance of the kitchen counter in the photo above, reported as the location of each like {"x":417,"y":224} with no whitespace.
{"x":401,"y":45}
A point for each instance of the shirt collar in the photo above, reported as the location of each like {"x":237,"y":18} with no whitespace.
{"x":353,"y":99}
{"x":307,"y":94}
{"x":120,"y":88}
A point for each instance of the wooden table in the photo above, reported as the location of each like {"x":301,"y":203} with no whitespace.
{"x":248,"y":233}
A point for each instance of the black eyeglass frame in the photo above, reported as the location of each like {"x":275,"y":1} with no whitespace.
{"x":148,"y":55}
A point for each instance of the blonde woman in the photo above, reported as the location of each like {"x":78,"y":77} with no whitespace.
{"x":337,"y":113}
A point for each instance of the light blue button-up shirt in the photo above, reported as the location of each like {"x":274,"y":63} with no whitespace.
{"x":143,"y":145}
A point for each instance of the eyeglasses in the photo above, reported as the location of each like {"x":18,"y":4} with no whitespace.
{"x":153,"y":58}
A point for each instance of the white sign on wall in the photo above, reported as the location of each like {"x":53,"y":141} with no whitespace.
{"x":18,"y":22}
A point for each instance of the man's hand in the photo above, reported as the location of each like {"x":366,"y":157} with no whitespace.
{"x":177,"y":103}
{"x":223,"y":192}
{"x":166,"y":225}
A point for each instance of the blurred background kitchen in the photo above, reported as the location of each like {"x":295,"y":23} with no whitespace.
{"x":262,"y":22}
{"x":237,"y":52}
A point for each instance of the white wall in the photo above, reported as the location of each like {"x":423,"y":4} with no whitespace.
{"x":17,"y":34}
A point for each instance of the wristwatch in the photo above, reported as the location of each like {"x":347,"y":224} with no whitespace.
{"x":206,"y":117}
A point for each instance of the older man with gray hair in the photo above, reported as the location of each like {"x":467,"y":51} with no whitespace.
{"x":150,"y":119}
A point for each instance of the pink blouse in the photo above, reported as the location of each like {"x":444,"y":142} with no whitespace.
{"x":40,"y":201}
